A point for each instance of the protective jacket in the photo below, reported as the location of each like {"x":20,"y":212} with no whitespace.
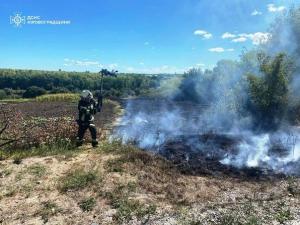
{"x":87,"y":110}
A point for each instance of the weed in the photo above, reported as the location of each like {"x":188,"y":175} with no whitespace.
{"x":77,"y":180}
{"x":5,"y":173}
{"x":228,"y":219}
{"x":253,"y":220}
{"x":10,"y":193}
{"x":125,"y":210}
{"x":292,"y":187}
{"x":37,"y":170}
{"x":17,"y":160}
{"x":47,"y":210}
{"x":115,"y":165}
{"x":128,"y":208}
{"x":283,"y":216}
{"x":87,"y":204}
{"x":18,"y":176}
{"x":146,"y":211}
{"x":195,"y":222}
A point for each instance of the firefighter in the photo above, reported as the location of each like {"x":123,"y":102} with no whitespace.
{"x":87,"y":108}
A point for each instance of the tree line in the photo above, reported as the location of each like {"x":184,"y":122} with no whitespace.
{"x":31,"y":83}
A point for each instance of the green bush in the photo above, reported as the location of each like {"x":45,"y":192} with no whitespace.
{"x":2,"y":94}
{"x":33,"y":92}
{"x":269,"y":92}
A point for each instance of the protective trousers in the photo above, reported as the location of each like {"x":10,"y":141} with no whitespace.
{"x":82,"y":129}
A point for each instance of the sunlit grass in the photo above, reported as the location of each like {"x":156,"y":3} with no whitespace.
{"x":16,"y":100}
{"x":64,"y":97}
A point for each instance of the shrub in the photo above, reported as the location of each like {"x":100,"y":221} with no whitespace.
{"x":269,"y":92}
{"x":2,"y":94}
{"x":33,"y":92}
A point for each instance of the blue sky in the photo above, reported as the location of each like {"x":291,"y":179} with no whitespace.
{"x":147,"y":36}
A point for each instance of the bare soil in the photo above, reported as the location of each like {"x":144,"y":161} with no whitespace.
{"x":104,"y":120}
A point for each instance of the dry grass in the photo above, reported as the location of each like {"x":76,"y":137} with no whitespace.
{"x":78,"y":179}
{"x":62,"y":97}
{"x":119,"y":184}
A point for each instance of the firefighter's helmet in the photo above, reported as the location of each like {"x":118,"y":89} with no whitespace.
{"x":86,"y":95}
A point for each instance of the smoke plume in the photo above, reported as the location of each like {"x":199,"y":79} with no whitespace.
{"x":217,"y":102}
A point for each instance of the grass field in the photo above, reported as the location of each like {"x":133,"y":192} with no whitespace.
{"x":121,"y":184}
{"x":69,"y":97}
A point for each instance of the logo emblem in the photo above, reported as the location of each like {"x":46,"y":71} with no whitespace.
{"x":17,"y":20}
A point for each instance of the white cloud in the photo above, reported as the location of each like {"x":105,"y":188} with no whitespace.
{"x":256,"y":38}
{"x":200,"y":65}
{"x":89,"y":64}
{"x":256,"y":13}
{"x":228,"y":35}
{"x":240,"y":39}
{"x":168,"y":69}
{"x":218,"y":49}
{"x":204,"y":34}
{"x":146,"y":43}
{"x":82,"y":63}
{"x":273,"y":8}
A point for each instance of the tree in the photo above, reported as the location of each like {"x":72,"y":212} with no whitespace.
{"x":269,"y":92}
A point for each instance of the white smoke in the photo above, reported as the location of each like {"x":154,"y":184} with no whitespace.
{"x":258,"y":151}
{"x":151,"y":123}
